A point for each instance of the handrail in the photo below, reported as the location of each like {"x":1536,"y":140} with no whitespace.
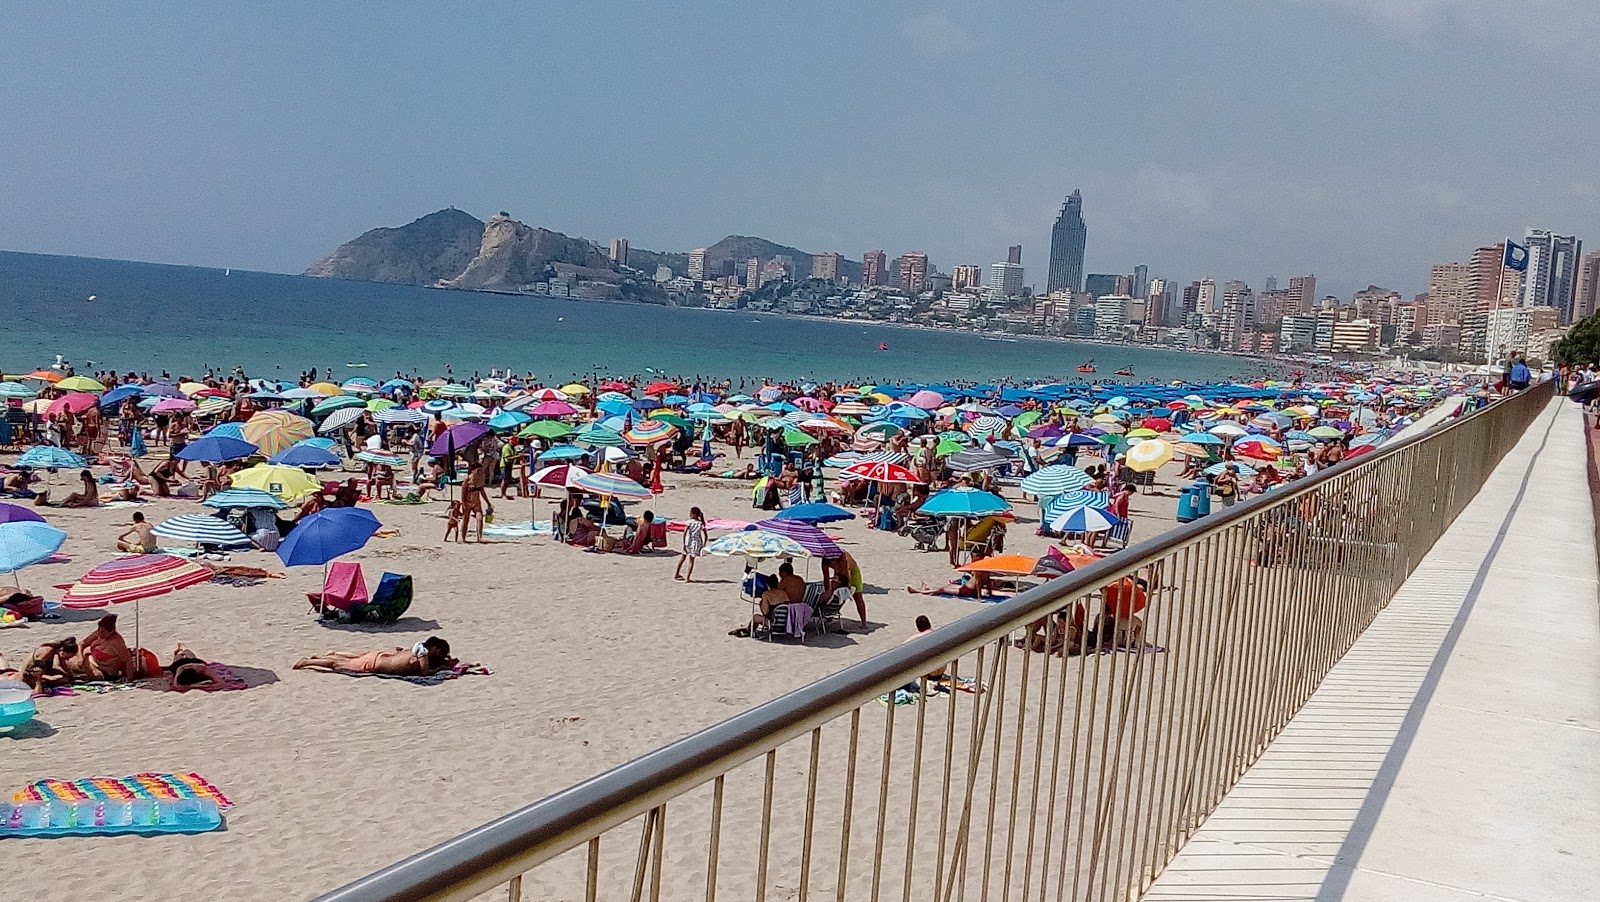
{"x":498,"y":852}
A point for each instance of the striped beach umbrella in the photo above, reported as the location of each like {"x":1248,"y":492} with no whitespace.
{"x":338,"y":402}
{"x":274,"y":430}
{"x":610,"y":484}
{"x":394,"y":415}
{"x":757,"y":544}
{"x":1148,"y":455}
{"x":212,"y":406}
{"x":132,"y":578}
{"x":1245,"y":471}
{"x":650,"y":432}
{"x":49,"y":457}
{"x":341,"y":418}
{"x":548,"y":394}
{"x":1055,"y":479}
{"x":876,"y":471}
{"x":976,"y":459}
{"x":201,"y":529}
{"x":242,"y":497}
{"x":598,"y":436}
{"x":382,"y":458}
{"x":850,"y":409}
{"x":24,"y":542}
{"x":806,"y":535}
{"x":1085,"y":519}
{"x":986,"y":426}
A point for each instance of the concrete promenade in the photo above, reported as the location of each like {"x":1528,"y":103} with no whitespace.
{"x":1454,"y":753}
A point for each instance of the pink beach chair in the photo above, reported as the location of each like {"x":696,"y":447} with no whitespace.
{"x":344,"y":587}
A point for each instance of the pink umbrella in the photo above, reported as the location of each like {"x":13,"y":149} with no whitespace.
{"x":927,"y":400}
{"x":173,"y":405}
{"x":810,"y":403}
{"x":77,"y":402}
{"x":551,"y":409}
{"x":880,"y":471}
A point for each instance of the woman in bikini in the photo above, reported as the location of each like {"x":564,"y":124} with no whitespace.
{"x":422,"y":659}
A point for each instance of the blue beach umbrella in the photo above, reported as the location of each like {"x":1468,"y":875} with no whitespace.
{"x":563,"y":452}
{"x":964,"y":503}
{"x":301,"y":455}
{"x":1085,"y":519}
{"x":24,"y":542}
{"x":119,"y":394}
{"x":815,"y":512}
{"x":244,"y":498}
{"x":49,"y":457}
{"x":1201,"y":438}
{"x":202,"y":529}
{"x":1055,"y":480}
{"x":326,"y":535}
{"x":216,"y":449}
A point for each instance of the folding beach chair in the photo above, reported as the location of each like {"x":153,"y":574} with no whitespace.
{"x":389,"y":601}
{"x":344,"y":587}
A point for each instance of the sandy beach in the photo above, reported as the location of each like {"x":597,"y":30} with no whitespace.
{"x":596,"y":659}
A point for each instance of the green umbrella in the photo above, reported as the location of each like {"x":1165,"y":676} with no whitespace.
{"x":794,"y":438}
{"x":337,"y":402}
{"x":380,"y":404}
{"x":599,"y":436}
{"x":550,"y":429}
{"x":946,"y":447}
{"x":954,"y":435}
{"x":667,"y":416}
{"x":1026,"y":418}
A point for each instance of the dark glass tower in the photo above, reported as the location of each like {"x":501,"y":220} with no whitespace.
{"x":1067,"y":239}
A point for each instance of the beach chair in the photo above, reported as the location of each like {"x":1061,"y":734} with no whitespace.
{"x":343,"y":587}
{"x":1122,"y":533}
{"x":658,"y":535}
{"x":830,"y":610}
{"x":389,"y":603}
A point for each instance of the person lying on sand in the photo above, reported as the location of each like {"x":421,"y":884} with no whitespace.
{"x":968,"y":585}
{"x":189,"y":669}
{"x":424,"y":658}
{"x":51,"y":665}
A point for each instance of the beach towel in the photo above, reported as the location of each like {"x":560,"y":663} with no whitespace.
{"x":460,"y":670}
{"x":90,"y":688}
{"x":521,"y":529}
{"x":169,"y":787}
{"x":799,"y":616}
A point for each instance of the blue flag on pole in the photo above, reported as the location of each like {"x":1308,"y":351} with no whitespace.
{"x":1516,"y":256}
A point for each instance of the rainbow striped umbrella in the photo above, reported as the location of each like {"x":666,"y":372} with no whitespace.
{"x":274,"y":430}
{"x":807,"y":536}
{"x":650,"y":432}
{"x":132,"y":578}
{"x":610,"y":484}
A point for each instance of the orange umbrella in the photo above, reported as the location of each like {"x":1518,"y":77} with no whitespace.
{"x":45,"y":376}
{"x":1019,"y":564}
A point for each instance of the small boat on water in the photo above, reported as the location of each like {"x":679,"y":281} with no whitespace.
{"x":1125,"y":371}
{"x":883,"y":346}
{"x":356,"y":366}
{"x":1087,"y":366}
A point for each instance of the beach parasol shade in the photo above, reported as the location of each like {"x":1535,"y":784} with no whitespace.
{"x":202,"y":529}
{"x":815,"y":512}
{"x":17,"y":391}
{"x":575,"y":389}
{"x":662,"y":388}
{"x":850,"y":409}
{"x":599,"y":436}
{"x":1084,"y":519}
{"x":325,"y":389}
{"x":77,"y":402}
{"x":242,"y":497}
{"x":1258,"y":448}
{"x":383,"y":458}
{"x":507,"y":419}
{"x":879,"y":431}
{"x":299,"y":455}
{"x":390,"y":415}
{"x":49,"y":376}
{"x":650,"y":432}
{"x":341,"y":418}
{"x":880,"y":471}
{"x":927,"y":400}
{"x":1148,"y":455}
{"x":1055,"y":480}
{"x":548,"y":394}
{"x":756,"y":544}
{"x":16,"y":513}
{"x":80,"y":383}
{"x":551,"y":408}
{"x":274,"y":430}
{"x":562,"y":452}
{"x":1245,"y":471}
{"x":173,"y":405}
{"x":287,"y":483}
{"x":327,"y":534}
{"x":1204,"y":439}
{"x":1327,"y":432}
{"x":1015,"y":564}
{"x":24,"y":542}
{"x":457,"y":437}
{"x":610,"y":484}
{"x":557,"y":476}
{"x":132,"y":578}
{"x":986,"y":427}
{"x":807,"y":536}
{"x":216,"y":449}
{"x":546,"y":429}
{"x":1227,"y":429}
{"x":964,"y":503}
{"x":49,"y":457}
{"x":977,"y":459}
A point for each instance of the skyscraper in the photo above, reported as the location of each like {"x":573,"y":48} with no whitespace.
{"x":1141,"y":281}
{"x":965,"y":276}
{"x":1302,"y":294}
{"x":697,"y":264}
{"x":1552,"y":276}
{"x":619,"y":251}
{"x":913,"y":271}
{"x":1586,"y":300}
{"x":826,"y":266}
{"x":752,"y":273}
{"x":1100,"y":284}
{"x":873,"y":264}
{"x":1006,"y":278}
{"x":1490,"y":285}
{"x":1447,"y":292}
{"x":1206,"y":303}
{"x":1067,"y":240}
{"x":1014,"y":254}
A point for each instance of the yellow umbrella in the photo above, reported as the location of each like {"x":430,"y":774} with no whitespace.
{"x":189,"y":388}
{"x":1104,"y":418}
{"x":274,"y":430}
{"x":287,"y":483}
{"x":80,"y":383}
{"x":326,"y":388}
{"x":1148,"y":455}
{"x":574,"y":389}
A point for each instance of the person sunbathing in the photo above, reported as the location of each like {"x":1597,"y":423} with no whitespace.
{"x":968,"y":585}
{"x":104,"y":655}
{"x":189,"y":669}
{"x":88,"y":496}
{"x":581,"y":530}
{"x":51,"y":665}
{"x":422,"y":659}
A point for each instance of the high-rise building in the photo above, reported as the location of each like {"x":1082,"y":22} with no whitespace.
{"x":1191,"y":301}
{"x":697,"y":264}
{"x":826,"y":266}
{"x":1511,"y":329}
{"x":1302,"y":294}
{"x":1272,"y":284}
{"x":1110,"y":315}
{"x":1014,"y":254}
{"x":1141,"y":281}
{"x":1067,"y":240}
{"x":1298,"y":332}
{"x":619,"y":251}
{"x":752,"y":273}
{"x":873,"y":268}
{"x":1100,"y":284}
{"x":1206,"y":302}
{"x":1552,"y":276}
{"x":1448,"y":299}
{"x":913,"y":271}
{"x":1159,"y":300}
{"x":1238,"y":315}
{"x":1490,"y":284}
{"x":966,"y":276}
{"x":1006,"y":278}
{"x":1586,"y":299}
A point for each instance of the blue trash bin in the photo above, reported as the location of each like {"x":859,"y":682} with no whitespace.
{"x":1186,"y":505}
{"x":1202,"y":499}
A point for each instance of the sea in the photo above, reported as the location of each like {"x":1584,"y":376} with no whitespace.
{"x":113,"y":314}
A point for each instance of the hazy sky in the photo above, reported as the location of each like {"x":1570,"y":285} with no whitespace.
{"x":1357,"y":139}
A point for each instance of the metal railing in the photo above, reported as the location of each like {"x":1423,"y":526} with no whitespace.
{"x":1083,"y":742}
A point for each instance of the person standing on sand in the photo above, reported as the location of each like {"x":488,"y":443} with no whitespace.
{"x":694,"y":543}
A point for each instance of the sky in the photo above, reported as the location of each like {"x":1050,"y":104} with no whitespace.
{"x":1360,"y":140}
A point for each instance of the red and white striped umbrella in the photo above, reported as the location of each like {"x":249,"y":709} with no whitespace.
{"x":132,"y":578}
{"x":880,"y":471}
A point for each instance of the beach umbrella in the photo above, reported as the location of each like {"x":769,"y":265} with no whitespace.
{"x":341,"y":418}
{"x":1014,"y":564}
{"x":225,"y":430}
{"x":1228,"y":429}
{"x":382,"y":458}
{"x":338,"y":402}
{"x":1201,"y":438}
{"x":879,"y":431}
{"x":553,"y":408}
{"x":815,"y":512}
{"x":77,"y":402}
{"x":457,"y":437}
{"x":288,"y":483}
{"x":1084,"y":518}
{"x":16,"y":390}
{"x":16,"y":513}
{"x":562,"y":452}
{"x":241,"y":497}
{"x":216,"y":449}
{"x":575,"y":389}
{"x":977,"y":459}
{"x":964,"y":502}
{"x":25,"y":542}
{"x":1055,"y":480}
{"x":202,"y":529}
{"x":305,"y":456}
{"x":650,"y":432}
{"x":393,"y":415}
{"x":1148,"y":455}
{"x":880,"y":471}
{"x":672,"y":418}
{"x":133,"y":578}
{"x":508,"y":419}
{"x":1258,"y":448}
{"x":1245,"y":470}
{"x":393,"y":384}
{"x":557,"y":476}
{"x":610,"y":484}
{"x":49,"y":376}
{"x":49,"y":457}
{"x":794,"y":438}
{"x":807,"y":536}
{"x":359,"y":384}
{"x":548,"y":394}
{"x":326,"y":535}
{"x":1326,"y":432}
{"x":851,"y":409}
{"x":325,"y":389}
{"x":173,"y":405}
{"x":80,"y":384}
{"x":599,"y":436}
{"x":756,"y":544}
{"x":274,"y":430}
{"x":927,"y":400}
{"x":1141,"y":433}
{"x":545,"y":429}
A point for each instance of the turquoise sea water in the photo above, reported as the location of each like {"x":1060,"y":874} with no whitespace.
{"x":150,"y":317}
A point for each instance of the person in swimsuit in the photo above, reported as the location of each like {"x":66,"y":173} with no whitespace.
{"x":104,"y":654}
{"x":189,"y":669}
{"x":51,"y":665}
{"x":422,"y":659}
{"x":139,"y":539}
